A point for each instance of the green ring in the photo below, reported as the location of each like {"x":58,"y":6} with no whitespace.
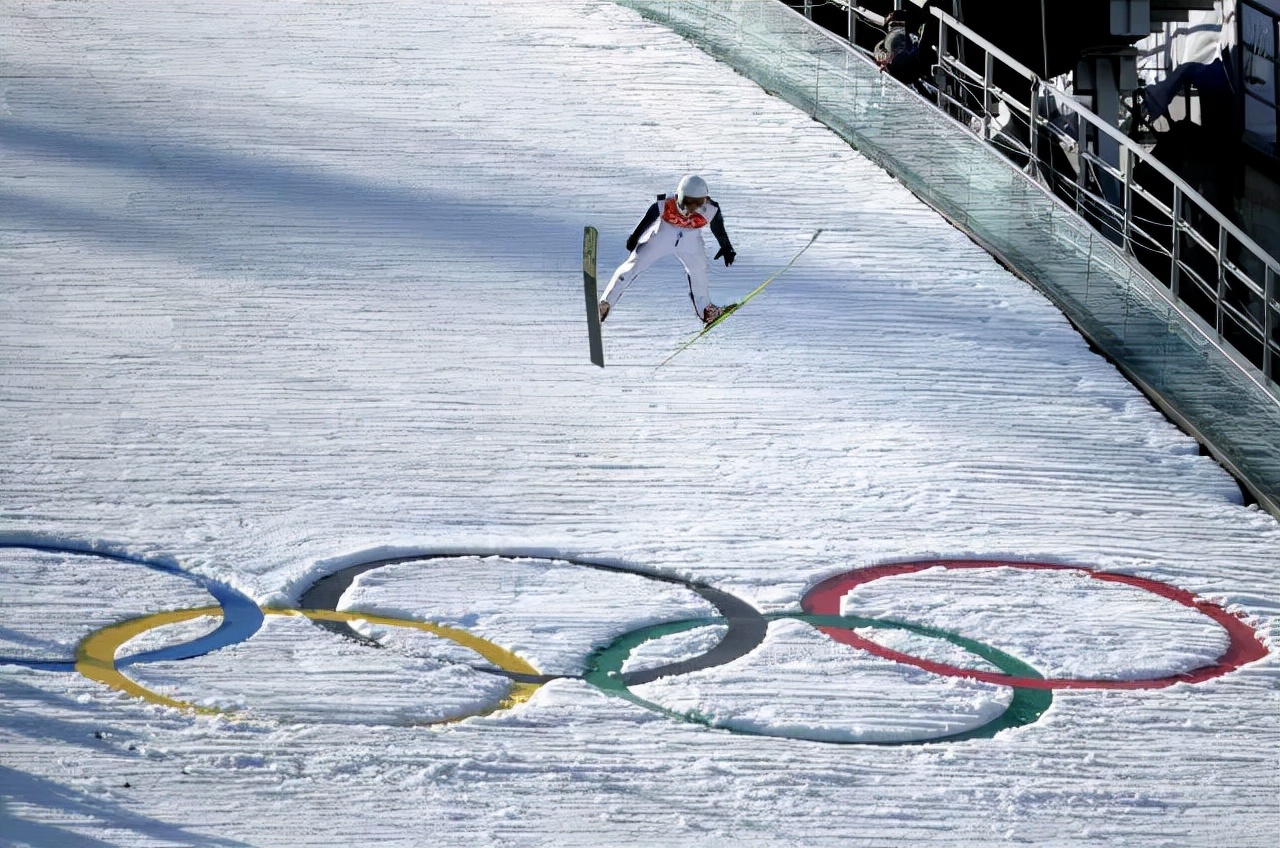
{"x":604,"y":670}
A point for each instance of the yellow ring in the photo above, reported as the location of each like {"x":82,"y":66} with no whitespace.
{"x":96,"y":654}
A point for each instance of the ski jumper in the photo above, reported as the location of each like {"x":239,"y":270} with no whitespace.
{"x":668,"y":230}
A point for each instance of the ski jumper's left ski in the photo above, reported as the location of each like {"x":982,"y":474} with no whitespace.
{"x":589,"y":238}
{"x":735,"y":307}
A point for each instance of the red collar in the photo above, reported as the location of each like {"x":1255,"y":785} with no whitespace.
{"x":672,"y":215}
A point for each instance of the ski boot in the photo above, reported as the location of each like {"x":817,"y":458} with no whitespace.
{"x":714,"y":313}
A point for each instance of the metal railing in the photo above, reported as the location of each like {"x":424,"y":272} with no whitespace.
{"x":855,"y":15}
{"x":1212,"y":272}
{"x":1120,"y":307}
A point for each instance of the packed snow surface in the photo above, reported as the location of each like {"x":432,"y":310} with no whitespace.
{"x":290,"y":288}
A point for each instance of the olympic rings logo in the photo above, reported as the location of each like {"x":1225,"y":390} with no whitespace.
{"x":744,"y":629}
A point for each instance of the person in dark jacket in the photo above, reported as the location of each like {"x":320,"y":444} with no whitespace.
{"x":899,"y":53}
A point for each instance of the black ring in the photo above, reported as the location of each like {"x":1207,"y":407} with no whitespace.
{"x":746,"y":625}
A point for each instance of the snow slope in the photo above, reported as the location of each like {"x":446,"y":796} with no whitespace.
{"x":290,"y":288}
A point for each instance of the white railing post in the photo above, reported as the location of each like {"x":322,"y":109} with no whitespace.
{"x":1126,"y":165}
{"x":939,"y":71}
{"x":1175,"y":267}
{"x":1033,"y":129}
{"x":1082,"y":147}
{"x":1222,"y":280}
{"x":987,"y":72}
{"x":1269,"y":307}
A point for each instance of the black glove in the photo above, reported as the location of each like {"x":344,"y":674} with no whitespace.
{"x":632,"y":241}
{"x":728,"y":254}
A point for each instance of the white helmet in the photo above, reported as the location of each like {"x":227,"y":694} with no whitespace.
{"x":692,"y":186}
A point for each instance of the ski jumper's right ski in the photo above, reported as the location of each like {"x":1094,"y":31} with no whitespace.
{"x":736,"y":306}
{"x":589,"y":238}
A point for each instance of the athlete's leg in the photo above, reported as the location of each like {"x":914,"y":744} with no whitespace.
{"x":693,"y":255}
{"x":645,"y":254}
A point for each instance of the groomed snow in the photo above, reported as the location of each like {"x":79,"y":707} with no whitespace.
{"x":550,"y":613}
{"x":294,"y":286}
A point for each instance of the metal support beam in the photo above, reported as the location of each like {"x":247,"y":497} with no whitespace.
{"x":1130,"y":17}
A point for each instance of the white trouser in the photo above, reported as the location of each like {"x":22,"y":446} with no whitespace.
{"x":667,"y":240}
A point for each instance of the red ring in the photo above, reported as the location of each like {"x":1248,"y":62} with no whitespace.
{"x":1245,"y":646}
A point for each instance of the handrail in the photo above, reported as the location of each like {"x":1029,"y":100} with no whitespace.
{"x":1109,"y":204}
{"x":986,"y":45}
{"x":1111,"y":132}
{"x":866,"y":14}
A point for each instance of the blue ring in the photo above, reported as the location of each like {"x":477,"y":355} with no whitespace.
{"x":241,"y":617}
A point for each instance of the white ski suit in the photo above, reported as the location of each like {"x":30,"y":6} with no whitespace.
{"x":668,"y":230}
